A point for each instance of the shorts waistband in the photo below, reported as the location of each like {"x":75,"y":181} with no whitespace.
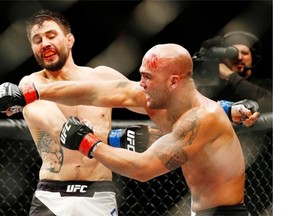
{"x":235,"y":209}
{"x":76,"y":188}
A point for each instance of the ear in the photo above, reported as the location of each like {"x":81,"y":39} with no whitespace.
{"x":174,"y":79}
{"x":71,"y":40}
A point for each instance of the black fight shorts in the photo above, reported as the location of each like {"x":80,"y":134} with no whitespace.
{"x":233,"y":210}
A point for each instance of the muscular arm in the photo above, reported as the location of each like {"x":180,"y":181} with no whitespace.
{"x":246,"y":89}
{"x":106,"y":87}
{"x":116,"y":93}
{"x":44,"y":120}
{"x":164,"y":155}
{"x":42,"y":115}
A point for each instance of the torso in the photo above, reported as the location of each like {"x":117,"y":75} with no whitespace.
{"x":75,"y":165}
{"x":59,"y":163}
{"x":215,"y":168}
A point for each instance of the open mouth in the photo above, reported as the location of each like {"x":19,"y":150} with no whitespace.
{"x":49,"y":53}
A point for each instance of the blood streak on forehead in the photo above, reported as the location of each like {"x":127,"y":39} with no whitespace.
{"x":151,"y":61}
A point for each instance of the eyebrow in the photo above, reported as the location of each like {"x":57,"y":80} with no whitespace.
{"x":47,"y":32}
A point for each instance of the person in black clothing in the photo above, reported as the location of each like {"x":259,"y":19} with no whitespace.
{"x":225,"y":75}
{"x":239,"y":82}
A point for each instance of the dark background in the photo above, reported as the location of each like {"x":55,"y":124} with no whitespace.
{"x":96,"y":24}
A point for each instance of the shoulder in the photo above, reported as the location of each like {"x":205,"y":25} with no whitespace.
{"x":206,"y":118}
{"x":106,"y":73}
{"x":207,"y":112}
{"x":36,"y":77}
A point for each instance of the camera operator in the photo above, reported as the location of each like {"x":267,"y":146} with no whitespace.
{"x":238,"y":74}
{"x":224,"y":67}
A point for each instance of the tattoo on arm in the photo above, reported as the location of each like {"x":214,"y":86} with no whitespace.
{"x":188,"y":129}
{"x":50,"y":152}
{"x":174,"y":156}
{"x":173,"y":160}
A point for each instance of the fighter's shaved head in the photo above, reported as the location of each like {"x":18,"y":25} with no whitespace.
{"x":173,"y":57}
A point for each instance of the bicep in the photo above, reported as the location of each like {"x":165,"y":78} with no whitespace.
{"x":172,"y":149}
{"x":119,"y":94}
{"x":166,"y":154}
{"x":44,"y":116}
{"x":112,"y":88}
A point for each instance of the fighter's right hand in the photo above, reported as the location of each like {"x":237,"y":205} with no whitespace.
{"x":245,"y":112}
{"x":241,"y":112}
{"x":76,"y":135}
{"x":13,"y":98}
{"x":133,"y":137}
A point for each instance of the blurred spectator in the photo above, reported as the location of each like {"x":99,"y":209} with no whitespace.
{"x":225,"y":69}
{"x":238,"y":76}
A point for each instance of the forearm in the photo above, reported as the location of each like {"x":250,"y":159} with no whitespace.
{"x":115,"y":93}
{"x":246,"y":89}
{"x":44,"y":116}
{"x":67,"y":92}
{"x":143,"y":166}
{"x":120,"y":161}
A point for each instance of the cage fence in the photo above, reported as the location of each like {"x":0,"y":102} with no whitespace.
{"x":164,"y":195}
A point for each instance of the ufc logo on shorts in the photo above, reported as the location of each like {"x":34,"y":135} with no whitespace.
{"x":63,"y":134}
{"x":75,"y":188}
{"x":131,"y":140}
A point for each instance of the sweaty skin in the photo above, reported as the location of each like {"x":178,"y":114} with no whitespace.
{"x":199,"y":137}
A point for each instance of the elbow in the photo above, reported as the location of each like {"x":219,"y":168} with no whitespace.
{"x":141,"y":168}
{"x":143,"y":175}
{"x":143,"y":178}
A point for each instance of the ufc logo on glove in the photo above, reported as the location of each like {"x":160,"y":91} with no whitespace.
{"x":131,"y":140}
{"x":64,"y":131}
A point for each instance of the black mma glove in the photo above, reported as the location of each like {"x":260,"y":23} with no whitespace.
{"x":78,"y":136}
{"x":249,"y":104}
{"x":14,"y":98}
{"x":133,"y":138}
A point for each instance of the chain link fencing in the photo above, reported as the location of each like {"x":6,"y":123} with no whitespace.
{"x":164,"y":195}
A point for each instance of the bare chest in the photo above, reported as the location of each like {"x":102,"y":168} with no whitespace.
{"x":99,"y":117}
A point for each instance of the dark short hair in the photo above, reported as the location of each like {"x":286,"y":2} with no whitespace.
{"x":46,"y":15}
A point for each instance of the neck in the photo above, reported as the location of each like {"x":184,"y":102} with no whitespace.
{"x":183,"y":99}
{"x":66,"y":72}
